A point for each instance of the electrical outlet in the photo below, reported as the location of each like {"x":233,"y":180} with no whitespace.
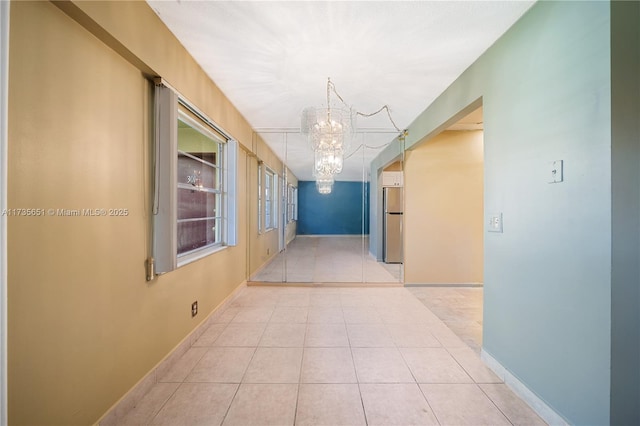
{"x":194,"y":308}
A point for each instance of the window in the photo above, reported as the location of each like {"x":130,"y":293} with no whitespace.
{"x":270,"y":200}
{"x":199,"y":186}
{"x":194,"y":200}
{"x":292,"y":203}
{"x":260,"y":171}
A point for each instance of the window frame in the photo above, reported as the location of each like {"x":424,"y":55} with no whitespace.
{"x":270,"y":208}
{"x":292,"y":203}
{"x":260,"y":212}
{"x":219,"y":167}
{"x":170,"y":108}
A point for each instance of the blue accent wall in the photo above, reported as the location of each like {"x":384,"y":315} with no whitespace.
{"x":338,"y":213}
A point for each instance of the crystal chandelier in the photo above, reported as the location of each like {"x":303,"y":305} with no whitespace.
{"x":330,"y":131}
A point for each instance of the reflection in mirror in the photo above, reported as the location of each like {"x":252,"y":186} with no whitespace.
{"x":383,"y":268}
{"x":392,"y":183}
{"x":324,"y":238}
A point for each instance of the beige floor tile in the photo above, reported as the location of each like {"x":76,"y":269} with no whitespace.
{"x":263,"y":404}
{"x":412,"y":336}
{"x":222,"y":365}
{"x":355,"y":301}
{"x":361,"y":315}
{"x":325,"y":315}
{"x":184,"y":365}
{"x":473,"y":365}
{"x":381,"y":365}
{"x":330,"y":405}
{"x":396,"y":315}
{"x":396,"y":404}
{"x":326,"y":335}
{"x":289,"y":314}
{"x":255,"y":297}
{"x":369,"y":336}
{"x":446,"y":337}
{"x":325,"y":300}
{"x":516,"y":410}
{"x":328,"y":365}
{"x":462,"y":404}
{"x":228,"y":315}
{"x":253,"y":314}
{"x":149,"y":406}
{"x":434,"y":365}
{"x":283,"y":335}
{"x":240,"y":335}
{"x":210,"y":335}
{"x":274,"y":365}
{"x":196,"y":404}
{"x":294,"y":300}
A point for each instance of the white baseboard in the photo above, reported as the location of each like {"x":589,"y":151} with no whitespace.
{"x":140,"y":389}
{"x":547,"y":413}
{"x":451,"y":285}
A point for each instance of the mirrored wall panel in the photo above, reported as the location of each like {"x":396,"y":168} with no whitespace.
{"x":322,"y":229}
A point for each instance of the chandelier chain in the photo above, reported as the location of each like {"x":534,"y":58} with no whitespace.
{"x":332,"y":87}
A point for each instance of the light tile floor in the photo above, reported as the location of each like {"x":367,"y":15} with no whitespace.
{"x":329,"y":356}
{"x":326,"y":259}
{"x":460,"y":308}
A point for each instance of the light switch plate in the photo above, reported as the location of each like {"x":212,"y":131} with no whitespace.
{"x":555,"y":171}
{"x":495,"y":222}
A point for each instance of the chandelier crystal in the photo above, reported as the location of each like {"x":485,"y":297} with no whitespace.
{"x":324,"y":183}
{"x":328,"y":162}
{"x":328,"y":128}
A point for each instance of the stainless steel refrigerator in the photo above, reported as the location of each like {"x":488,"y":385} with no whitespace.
{"x":393,"y":213}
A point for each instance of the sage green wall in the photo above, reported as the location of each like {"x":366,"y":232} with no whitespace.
{"x":546,"y":92}
{"x":547,"y":298}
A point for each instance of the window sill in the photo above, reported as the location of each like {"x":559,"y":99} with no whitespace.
{"x":199,"y":254}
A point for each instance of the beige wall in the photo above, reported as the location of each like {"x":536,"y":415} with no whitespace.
{"x":84,"y":325}
{"x":394,"y":167}
{"x":444,"y":210}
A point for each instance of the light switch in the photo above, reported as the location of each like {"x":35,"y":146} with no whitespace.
{"x":555,"y":171}
{"x":495,"y":222}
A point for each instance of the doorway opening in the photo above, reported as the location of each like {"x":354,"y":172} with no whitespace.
{"x":445,"y":225}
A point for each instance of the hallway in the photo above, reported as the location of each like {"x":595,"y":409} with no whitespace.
{"x":327,"y":356}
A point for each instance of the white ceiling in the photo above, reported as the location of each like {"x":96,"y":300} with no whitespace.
{"x":272,"y":60}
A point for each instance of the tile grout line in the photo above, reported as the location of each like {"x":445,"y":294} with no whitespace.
{"x":419,"y":388}
{"x":155,"y":414}
{"x":353,"y":361}
{"x":494,"y":404}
